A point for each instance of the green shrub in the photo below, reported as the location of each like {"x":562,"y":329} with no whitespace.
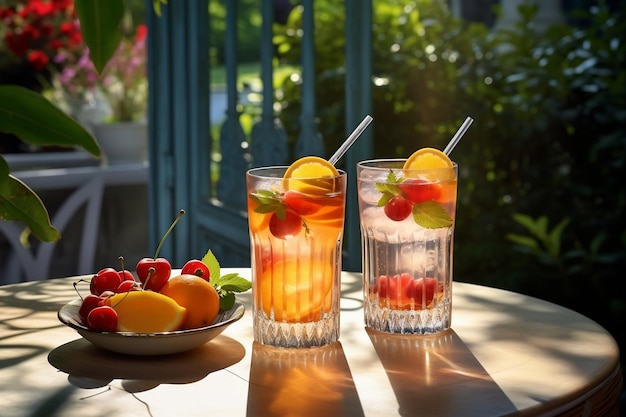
{"x":548,"y":142}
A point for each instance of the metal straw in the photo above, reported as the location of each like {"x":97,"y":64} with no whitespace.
{"x":350,"y":140}
{"x":458,"y":135}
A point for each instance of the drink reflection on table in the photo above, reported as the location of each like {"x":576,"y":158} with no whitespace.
{"x":301,"y":382}
{"x":438,"y":375}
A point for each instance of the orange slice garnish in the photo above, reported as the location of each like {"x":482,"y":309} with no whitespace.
{"x":434,"y":164}
{"x":310,"y":175}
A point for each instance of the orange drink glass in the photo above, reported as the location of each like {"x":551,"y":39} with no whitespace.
{"x":407,"y":227}
{"x":296,"y":229}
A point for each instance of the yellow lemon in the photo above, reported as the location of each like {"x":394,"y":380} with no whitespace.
{"x":146,"y":312}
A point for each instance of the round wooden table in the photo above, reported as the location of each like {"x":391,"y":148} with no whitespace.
{"x":506,"y":354}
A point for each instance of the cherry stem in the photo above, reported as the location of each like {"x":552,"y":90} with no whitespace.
{"x":151,"y":272}
{"x":167,"y":233}
{"x":75,"y":283}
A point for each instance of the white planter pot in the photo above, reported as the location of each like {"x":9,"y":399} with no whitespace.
{"x":123,"y":143}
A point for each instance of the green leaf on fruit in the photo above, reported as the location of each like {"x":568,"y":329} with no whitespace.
{"x":233,"y":283}
{"x":211,"y":262}
{"x":226,"y":285}
{"x":266,"y":201}
{"x":431,"y":215}
{"x":227,"y":301}
{"x":388,"y":189}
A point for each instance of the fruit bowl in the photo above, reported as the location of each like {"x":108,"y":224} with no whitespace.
{"x":149,"y":344}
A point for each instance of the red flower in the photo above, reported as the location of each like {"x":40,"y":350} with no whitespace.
{"x":67,"y":28}
{"x":18,"y":44}
{"x":35,"y":27}
{"x":142,"y":31}
{"x":38,"y":59}
{"x":6,"y":13}
{"x":55,"y":44}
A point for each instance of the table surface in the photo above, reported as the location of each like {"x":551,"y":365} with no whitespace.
{"x":506,"y":354}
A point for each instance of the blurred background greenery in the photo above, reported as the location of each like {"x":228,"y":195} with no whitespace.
{"x":541,"y":196}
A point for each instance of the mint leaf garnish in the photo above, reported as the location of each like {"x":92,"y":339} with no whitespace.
{"x":233,"y":283}
{"x":431,"y":215}
{"x":268,"y":202}
{"x":227,"y":302}
{"x":389,"y":189}
{"x":211,"y":262}
{"x":226,"y":285}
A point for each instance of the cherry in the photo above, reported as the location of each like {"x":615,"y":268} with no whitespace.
{"x":394,"y":291}
{"x":418,"y":191}
{"x":102,"y":318}
{"x":287,"y":227}
{"x":90,"y":302}
{"x":155,"y":272}
{"x":196,"y":267}
{"x":300,"y":203}
{"x":128,"y":285}
{"x":386,"y":286}
{"x":398,"y":208}
{"x":422,"y":290}
{"x":107,"y":279}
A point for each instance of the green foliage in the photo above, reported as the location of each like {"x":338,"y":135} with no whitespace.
{"x":549,"y":137}
{"x":100,"y":22}
{"x":542,"y":243}
{"x":32,"y":118}
{"x":35,"y":120}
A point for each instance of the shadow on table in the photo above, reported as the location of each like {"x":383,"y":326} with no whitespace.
{"x":438,"y":375}
{"x":88,"y":366}
{"x":301,"y":382}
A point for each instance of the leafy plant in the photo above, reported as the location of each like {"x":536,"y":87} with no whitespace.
{"x":548,"y":139}
{"x":543,"y":243}
{"x":32,"y":118}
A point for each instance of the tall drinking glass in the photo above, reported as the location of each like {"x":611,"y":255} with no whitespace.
{"x":407,"y":228}
{"x":296,"y":229}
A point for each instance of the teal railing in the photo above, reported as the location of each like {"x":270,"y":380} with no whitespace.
{"x":180,"y":140}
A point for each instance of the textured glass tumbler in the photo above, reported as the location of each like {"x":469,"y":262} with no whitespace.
{"x":407,"y":230}
{"x":296,"y":229}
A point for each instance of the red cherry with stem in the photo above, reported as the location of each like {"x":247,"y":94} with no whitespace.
{"x":102,"y":318}
{"x":153,"y":273}
{"x":161,"y":268}
{"x":196,"y":267}
{"x":90,"y":302}
{"x":107,"y":279}
{"x":300,"y":203}
{"x":125,"y":274}
{"x":398,"y":208}
{"x":128,"y":285}
{"x":289,"y":226}
{"x":418,"y":191}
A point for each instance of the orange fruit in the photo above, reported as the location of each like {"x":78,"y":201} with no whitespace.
{"x":146,"y":312}
{"x":197,"y":296}
{"x":296,"y":290}
{"x":310,"y":175}
{"x":436,"y":164}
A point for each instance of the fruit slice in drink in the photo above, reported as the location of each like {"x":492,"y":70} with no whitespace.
{"x":296,"y":291}
{"x":311,"y":175}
